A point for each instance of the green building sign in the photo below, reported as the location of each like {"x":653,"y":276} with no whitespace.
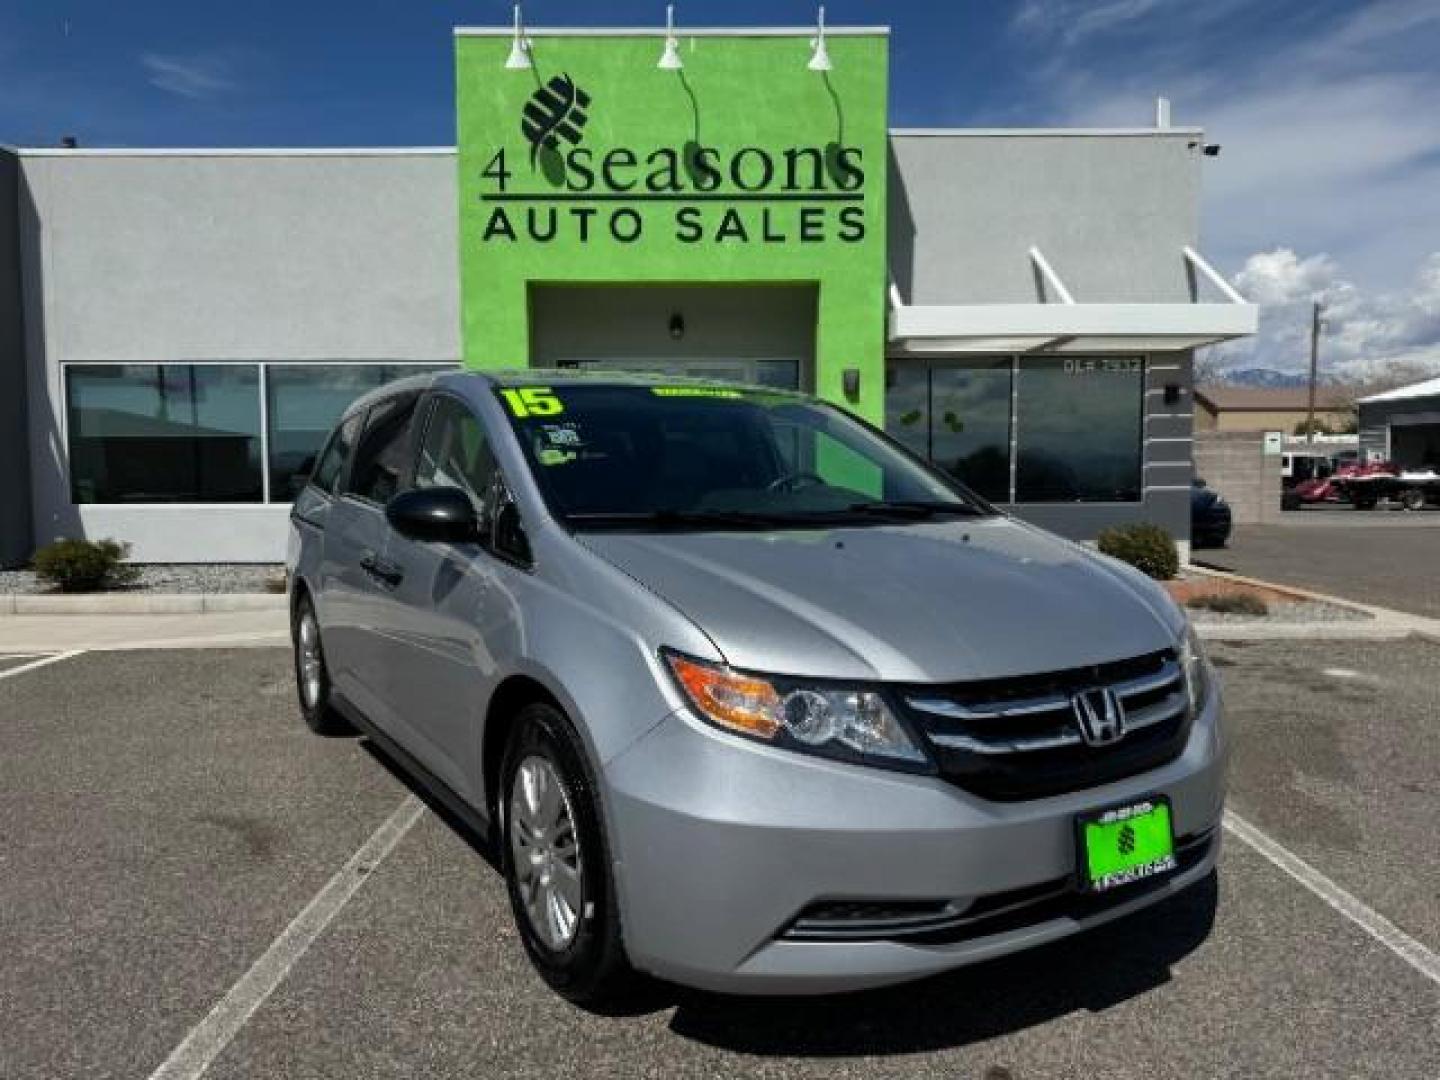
{"x":744,"y":167}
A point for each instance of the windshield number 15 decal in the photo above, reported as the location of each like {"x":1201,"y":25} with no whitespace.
{"x":533,"y":401}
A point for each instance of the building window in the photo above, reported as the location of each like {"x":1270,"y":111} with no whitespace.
{"x":1026,"y":430}
{"x":1079,"y":428}
{"x":970,"y":426}
{"x":156,"y":433}
{"x":907,"y":405}
{"x":303,"y":401}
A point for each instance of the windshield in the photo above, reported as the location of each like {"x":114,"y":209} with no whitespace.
{"x":643,"y":456}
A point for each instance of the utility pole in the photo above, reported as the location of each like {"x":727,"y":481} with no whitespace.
{"x":1314,"y":369}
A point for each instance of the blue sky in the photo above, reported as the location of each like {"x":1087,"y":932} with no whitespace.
{"x":1328,"y":112}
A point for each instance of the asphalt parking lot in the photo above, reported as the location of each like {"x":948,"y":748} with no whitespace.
{"x":1380,"y":557}
{"x":166,"y":817}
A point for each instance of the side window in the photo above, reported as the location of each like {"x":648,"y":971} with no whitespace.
{"x":383,"y":453}
{"x":455,"y":452}
{"x":336,"y":452}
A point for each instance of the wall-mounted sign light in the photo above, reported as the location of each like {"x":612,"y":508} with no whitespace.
{"x":670,"y":58}
{"x":820,"y":58}
{"x":519,"y":59}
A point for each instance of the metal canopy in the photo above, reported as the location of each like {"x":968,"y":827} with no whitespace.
{"x":1067,"y":326}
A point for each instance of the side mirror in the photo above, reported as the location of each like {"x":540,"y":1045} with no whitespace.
{"x":434,"y":514}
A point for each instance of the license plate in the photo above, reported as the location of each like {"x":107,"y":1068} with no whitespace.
{"x":1125,"y":844}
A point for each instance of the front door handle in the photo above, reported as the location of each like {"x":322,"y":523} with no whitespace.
{"x":382,"y":570}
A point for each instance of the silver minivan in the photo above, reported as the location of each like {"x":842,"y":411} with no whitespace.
{"x":748,"y":697}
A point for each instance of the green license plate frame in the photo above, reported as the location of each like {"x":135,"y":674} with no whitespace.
{"x":1124,"y":844}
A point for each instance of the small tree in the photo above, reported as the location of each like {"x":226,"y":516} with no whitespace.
{"x":1319,"y":426}
{"x":1147,"y":547}
{"x":85,"y":565}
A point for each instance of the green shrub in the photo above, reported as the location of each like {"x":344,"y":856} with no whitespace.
{"x":1146,"y":547}
{"x":1230,"y":603}
{"x":85,"y":565}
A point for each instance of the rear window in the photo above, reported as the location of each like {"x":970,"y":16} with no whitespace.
{"x":336,"y":453}
{"x":383,"y":455}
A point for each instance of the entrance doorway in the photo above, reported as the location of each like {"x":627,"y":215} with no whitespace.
{"x":761,"y":334}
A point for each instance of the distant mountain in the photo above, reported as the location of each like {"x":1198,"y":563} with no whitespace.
{"x":1263,"y":377}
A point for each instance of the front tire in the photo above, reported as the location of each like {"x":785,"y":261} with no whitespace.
{"x":312,"y":676}
{"x":553,"y":851}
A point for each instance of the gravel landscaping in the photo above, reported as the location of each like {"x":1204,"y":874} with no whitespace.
{"x":171,"y":578}
{"x":1283,"y":607}
{"x":1285,"y":611}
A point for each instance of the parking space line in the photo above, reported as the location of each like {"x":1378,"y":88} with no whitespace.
{"x":205,"y":1041}
{"x":1362,"y":915}
{"x":39,"y":663}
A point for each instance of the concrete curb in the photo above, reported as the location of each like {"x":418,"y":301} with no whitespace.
{"x":139,"y":603}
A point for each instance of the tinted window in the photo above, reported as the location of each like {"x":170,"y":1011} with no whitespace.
{"x":970,"y":425}
{"x":336,"y":453}
{"x":907,"y":405}
{"x":145,"y":433}
{"x":455,"y":452}
{"x":1078,"y":426}
{"x":383,"y":454}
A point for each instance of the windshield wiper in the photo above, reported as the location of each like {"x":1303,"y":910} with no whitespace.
{"x":913,"y":508}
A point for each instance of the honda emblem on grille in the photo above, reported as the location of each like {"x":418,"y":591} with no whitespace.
{"x":1100,"y":716}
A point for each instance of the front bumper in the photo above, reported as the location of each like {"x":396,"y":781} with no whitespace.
{"x":720,"y":843}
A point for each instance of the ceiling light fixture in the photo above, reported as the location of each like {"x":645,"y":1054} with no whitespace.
{"x":670,"y":58}
{"x":820,"y":58}
{"x":519,"y":58}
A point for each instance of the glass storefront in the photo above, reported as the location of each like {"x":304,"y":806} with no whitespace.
{"x":165,"y":433}
{"x":147,"y":433}
{"x":1079,"y":429}
{"x":1026,"y":430}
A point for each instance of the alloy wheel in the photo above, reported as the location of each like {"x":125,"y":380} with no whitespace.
{"x":545,"y":852}
{"x":312,"y":664}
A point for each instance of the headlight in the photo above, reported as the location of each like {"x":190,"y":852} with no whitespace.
{"x":851,"y":723}
{"x":1196,"y":669}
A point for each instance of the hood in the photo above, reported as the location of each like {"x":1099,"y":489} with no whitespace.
{"x":929,"y":602}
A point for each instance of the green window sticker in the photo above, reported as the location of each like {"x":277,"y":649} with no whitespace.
{"x":527,"y":401}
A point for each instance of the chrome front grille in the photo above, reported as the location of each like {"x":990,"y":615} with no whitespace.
{"x":1146,"y":699}
{"x":1021,"y":738}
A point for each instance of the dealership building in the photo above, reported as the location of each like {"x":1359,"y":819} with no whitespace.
{"x":179,"y":328}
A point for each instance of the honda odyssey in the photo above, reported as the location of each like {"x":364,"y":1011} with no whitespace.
{"x":748,"y":697}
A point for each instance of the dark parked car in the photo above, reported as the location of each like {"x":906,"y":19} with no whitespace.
{"x":1209,"y":517}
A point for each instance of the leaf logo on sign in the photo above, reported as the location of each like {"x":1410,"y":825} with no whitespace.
{"x":555,"y":111}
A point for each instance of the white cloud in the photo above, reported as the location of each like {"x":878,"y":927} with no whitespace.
{"x":1330,"y":144}
{"x":1366,"y":334}
{"x":197,"y":77}
{"x":1073,"y":20}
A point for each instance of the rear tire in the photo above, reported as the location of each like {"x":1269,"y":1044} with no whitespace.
{"x":312,"y":676}
{"x":1412,"y":499}
{"x":557,"y":864}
